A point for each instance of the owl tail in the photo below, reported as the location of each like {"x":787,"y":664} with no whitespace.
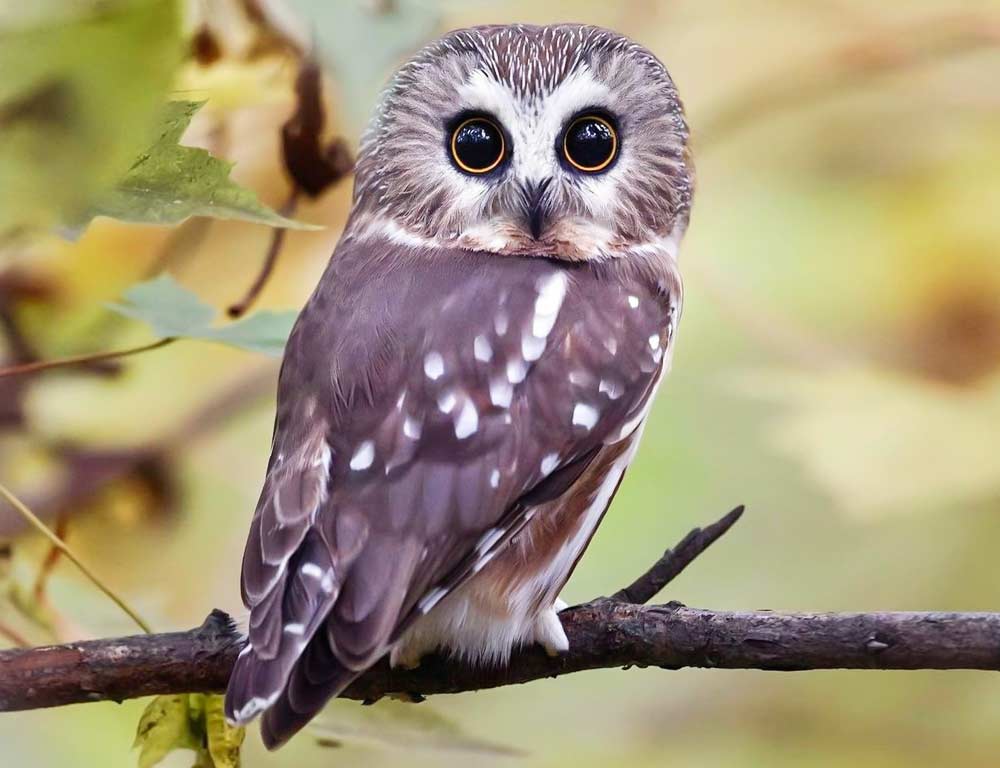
{"x":316,"y":678}
{"x":294,"y":709}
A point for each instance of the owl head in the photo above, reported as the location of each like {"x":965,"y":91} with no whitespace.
{"x":564,"y":141}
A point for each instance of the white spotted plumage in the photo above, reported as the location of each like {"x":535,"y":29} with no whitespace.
{"x":363,"y":456}
{"x":466,"y":387}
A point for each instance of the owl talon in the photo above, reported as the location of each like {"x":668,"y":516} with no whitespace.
{"x":549,"y":632}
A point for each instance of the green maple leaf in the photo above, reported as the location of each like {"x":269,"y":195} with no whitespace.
{"x":170,"y":182}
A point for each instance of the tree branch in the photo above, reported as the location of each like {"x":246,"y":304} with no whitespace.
{"x":604,"y":633}
{"x":675,"y":560}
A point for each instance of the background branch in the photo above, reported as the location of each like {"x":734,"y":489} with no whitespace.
{"x":858,"y":62}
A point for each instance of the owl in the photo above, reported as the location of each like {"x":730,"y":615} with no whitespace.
{"x":464,"y":390}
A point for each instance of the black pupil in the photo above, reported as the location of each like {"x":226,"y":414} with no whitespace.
{"x":478,"y":145}
{"x":590,"y":142}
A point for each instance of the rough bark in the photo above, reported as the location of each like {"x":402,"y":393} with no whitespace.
{"x":607,"y":632}
{"x":604,"y":633}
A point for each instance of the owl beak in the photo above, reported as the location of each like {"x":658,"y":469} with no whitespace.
{"x":536,"y":206}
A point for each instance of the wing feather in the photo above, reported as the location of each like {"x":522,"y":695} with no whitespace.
{"x":405,"y":457}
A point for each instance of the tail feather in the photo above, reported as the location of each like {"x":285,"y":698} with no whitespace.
{"x":304,"y":695}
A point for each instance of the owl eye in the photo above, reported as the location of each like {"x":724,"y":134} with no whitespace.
{"x":477,"y":145}
{"x":590,"y":143}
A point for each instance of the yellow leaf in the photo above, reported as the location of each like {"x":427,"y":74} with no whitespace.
{"x":224,"y":741}
{"x":164,"y":726}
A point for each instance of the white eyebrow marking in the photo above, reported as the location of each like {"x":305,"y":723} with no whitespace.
{"x":433,"y":365}
{"x":363,"y":456}
{"x":633,"y":301}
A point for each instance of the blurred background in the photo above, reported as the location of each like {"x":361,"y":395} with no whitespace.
{"x":837,"y":370}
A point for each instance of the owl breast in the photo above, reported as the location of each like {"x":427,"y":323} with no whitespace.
{"x":614,"y":352}
{"x":513,"y":600}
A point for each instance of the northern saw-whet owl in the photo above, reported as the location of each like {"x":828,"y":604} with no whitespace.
{"x":465,"y":388}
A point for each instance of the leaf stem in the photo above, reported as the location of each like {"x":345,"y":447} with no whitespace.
{"x":30,"y":516}
{"x":66,"y":362}
{"x":275,"y":245}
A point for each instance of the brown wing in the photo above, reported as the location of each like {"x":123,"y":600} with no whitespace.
{"x":427,"y":402}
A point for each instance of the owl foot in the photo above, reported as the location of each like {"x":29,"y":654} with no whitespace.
{"x":549,"y":631}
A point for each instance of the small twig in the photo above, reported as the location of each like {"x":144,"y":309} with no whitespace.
{"x":42,"y":528}
{"x":312,"y":163}
{"x":14,"y":636}
{"x":66,"y":362}
{"x":675,"y":560}
{"x":270,"y":259}
{"x":51,"y":559}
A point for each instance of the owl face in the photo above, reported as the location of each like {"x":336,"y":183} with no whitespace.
{"x":565,"y":141}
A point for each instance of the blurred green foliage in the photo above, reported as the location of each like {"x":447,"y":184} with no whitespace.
{"x":172,"y":311}
{"x":83,"y":84}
